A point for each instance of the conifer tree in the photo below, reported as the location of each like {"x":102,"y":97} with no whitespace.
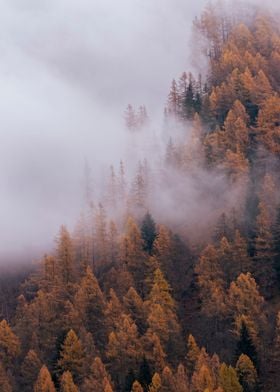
{"x":241,"y":260}
{"x":101,"y":236}
{"x":144,"y":375}
{"x":181,"y":379}
{"x":264,"y":255}
{"x":65,"y":257}
{"x":244,"y":297}
{"x":246,"y":373}
{"x":202,"y":379}
{"x":148,"y":232}
{"x":4,"y":380}
{"x":9,"y":345}
{"x":136,"y":387}
{"x":67,"y":383}
{"x":155,"y":385}
{"x":173,"y":103}
{"x":246,"y":345}
{"x":193,"y":352}
{"x":135,"y":306}
{"x":29,"y":370}
{"x":97,"y":379}
{"x":114,"y":310}
{"x":168,"y":380}
{"x":154,"y":351}
{"x":90,"y":304}
{"x":132,"y":254}
{"x":72,"y":356}
{"x":228,"y":379}
{"x":211,"y":283}
{"x":44,"y":381}
{"x":124,"y":350}
{"x":130,"y":118}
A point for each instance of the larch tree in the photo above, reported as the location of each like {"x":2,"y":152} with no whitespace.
{"x":5,"y":381}
{"x":90,"y":304}
{"x":154,"y":352}
{"x":67,"y":384}
{"x":193,"y":352}
{"x":124,"y":349}
{"x":44,"y":381}
{"x":155,"y":385}
{"x":101,"y":236}
{"x":114,"y":310}
{"x":162,"y":317}
{"x":244,"y":298}
{"x":136,"y":387}
{"x":246,"y":343}
{"x":211,"y":283}
{"x":9,"y":345}
{"x":228,"y":379}
{"x":65,"y":257}
{"x":29,"y":370}
{"x":168,"y":380}
{"x":264,"y":255}
{"x":202,"y":379}
{"x":72,"y":356}
{"x":181,"y":379}
{"x":97,"y":379}
{"x":135,"y":306}
{"x":241,"y":260}
{"x":132,"y":254}
{"x":173,"y":103}
{"x":247,"y":374}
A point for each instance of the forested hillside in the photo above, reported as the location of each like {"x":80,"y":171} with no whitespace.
{"x":141,"y":296}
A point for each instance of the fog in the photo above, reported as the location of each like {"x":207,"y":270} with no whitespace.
{"x":67,"y":72}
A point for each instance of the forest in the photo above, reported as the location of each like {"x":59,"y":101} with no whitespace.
{"x":139,"y":298}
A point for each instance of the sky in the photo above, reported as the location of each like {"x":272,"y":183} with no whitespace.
{"x":68,"y":69}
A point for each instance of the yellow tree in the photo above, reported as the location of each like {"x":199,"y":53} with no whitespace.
{"x":162,"y":317}
{"x":228,"y":379}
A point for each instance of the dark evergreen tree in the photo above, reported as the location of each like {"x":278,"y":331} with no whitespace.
{"x":148,"y":232}
{"x":129,"y":380}
{"x":245,"y":345}
{"x":145,"y":376}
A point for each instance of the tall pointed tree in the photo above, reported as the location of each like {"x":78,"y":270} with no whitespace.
{"x":44,"y":381}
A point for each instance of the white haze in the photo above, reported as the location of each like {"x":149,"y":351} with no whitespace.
{"x":67,"y":71}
